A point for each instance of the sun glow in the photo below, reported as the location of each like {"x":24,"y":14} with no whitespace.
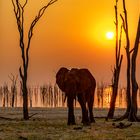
{"x":109,"y":35}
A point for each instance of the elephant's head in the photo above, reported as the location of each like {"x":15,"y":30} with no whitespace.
{"x":67,"y":81}
{"x":60,"y":78}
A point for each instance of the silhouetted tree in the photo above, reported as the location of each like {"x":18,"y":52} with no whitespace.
{"x":30,"y":92}
{"x":5,"y":95}
{"x":127,"y":48}
{"x":13,"y":88}
{"x":120,"y":97}
{"x":56,"y":99}
{"x":100,"y":94}
{"x":36,"y":94}
{"x":51,"y":95}
{"x":1,"y":95}
{"x":133,"y":109}
{"x":23,"y":70}
{"x":63,"y":98}
{"x":116,"y":71}
{"x":43,"y":93}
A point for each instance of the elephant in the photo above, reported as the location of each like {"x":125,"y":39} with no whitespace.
{"x":77,"y":83}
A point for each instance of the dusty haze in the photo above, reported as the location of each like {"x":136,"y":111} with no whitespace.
{"x":70,"y":34}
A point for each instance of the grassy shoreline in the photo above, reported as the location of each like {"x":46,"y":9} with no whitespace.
{"x":51,"y":124}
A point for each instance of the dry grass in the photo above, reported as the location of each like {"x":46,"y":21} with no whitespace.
{"x":50,"y":124}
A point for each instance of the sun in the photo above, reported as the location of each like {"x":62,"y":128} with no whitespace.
{"x":109,"y":35}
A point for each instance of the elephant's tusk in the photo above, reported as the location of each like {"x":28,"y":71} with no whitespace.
{"x":65,"y":98}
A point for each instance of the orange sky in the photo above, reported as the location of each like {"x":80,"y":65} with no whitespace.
{"x":70,"y":34}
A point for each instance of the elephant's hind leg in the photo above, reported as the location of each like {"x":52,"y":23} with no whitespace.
{"x":90,"y":108}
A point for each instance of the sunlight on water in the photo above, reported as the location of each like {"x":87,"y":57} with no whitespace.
{"x":51,"y":96}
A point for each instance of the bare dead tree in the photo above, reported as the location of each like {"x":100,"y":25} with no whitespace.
{"x":43,"y":93}
{"x":63,"y":98}
{"x":1,"y":94}
{"x":55,"y":96}
{"x":120,"y":97}
{"x":51,"y":95}
{"x":127,"y":48}
{"x":36,"y":94}
{"x":116,"y":71}
{"x":13,"y":88}
{"x":102,"y":86}
{"x":98,"y":95}
{"x":133,"y":110}
{"x":23,"y":70}
{"x":5,"y":95}
{"x":30,"y":93}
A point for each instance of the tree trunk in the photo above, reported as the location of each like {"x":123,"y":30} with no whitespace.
{"x":25,"y":93}
{"x":13,"y":99}
{"x":114,"y":92}
{"x":25,"y":102}
{"x":128,"y":92}
{"x":133,"y":111}
{"x":112,"y":104}
{"x":116,"y":72}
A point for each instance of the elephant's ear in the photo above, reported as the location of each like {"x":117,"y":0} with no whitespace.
{"x":60,"y":78}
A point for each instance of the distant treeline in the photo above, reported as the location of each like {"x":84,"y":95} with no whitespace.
{"x":49,"y":95}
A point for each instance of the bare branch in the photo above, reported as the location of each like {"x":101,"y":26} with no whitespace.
{"x":116,"y":18}
{"x":16,"y":78}
{"x":52,"y":1}
{"x":114,"y":22}
{"x":21,"y":74}
{"x":120,"y":40}
{"x":131,"y":50}
{"x":136,"y":45}
{"x":120,"y":62}
{"x":124,"y":27}
{"x":10,"y":78}
{"x":33,"y":115}
{"x":13,"y":78}
{"x":25,"y":4}
{"x":14,"y":7}
{"x":36,"y":19}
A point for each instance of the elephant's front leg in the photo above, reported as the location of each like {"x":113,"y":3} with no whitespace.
{"x":71,"y":118}
{"x":85,"y":119}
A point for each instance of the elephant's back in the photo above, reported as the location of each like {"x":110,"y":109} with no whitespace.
{"x":86,"y":78}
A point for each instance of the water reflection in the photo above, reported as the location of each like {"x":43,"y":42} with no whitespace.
{"x":51,"y":96}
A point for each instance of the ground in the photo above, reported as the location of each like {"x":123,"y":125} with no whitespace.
{"x":51,"y":124}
